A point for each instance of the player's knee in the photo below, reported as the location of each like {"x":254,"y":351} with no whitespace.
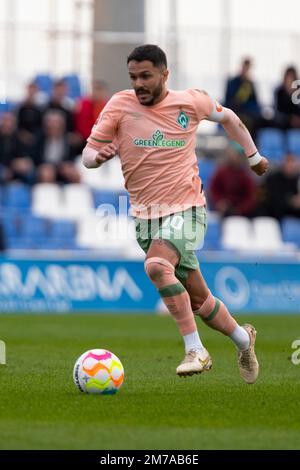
{"x":157,"y":268}
{"x":197,"y":300}
{"x":195,"y":306}
{"x":202,"y":304}
{"x":197,"y":303}
{"x":155,"y":271}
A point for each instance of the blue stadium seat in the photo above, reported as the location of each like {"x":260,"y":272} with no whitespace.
{"x":12,"y":225}
{"x":54,"y":244}
{"x":271,"y":142}
{"x":110,"y":197}
{"x":74,"y":87}
{"x":7,"y":106}
{"x":18,"y":197}
{"x":64,"y":244}
{"x":293,"y":141}
{"x":44,"y":83}
{"x":212,"y":239}
{"x":36,"y":228}
{"x":291,"y":230}
{"x":17,"y":243}
{"x":206,"y":170}
{"x":63,"y":229}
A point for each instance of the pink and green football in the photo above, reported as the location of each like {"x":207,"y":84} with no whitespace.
{"x":98,"y":371}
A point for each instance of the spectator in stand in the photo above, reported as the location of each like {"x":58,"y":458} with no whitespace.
{"x":60,"y":101}
{"x":241,"y":97}
{"x":30,"y":114}
{"x":288,"y":112}
{"x":89,"y":108}
{"x":232,"y":190}
{"x":15,"y":156}
{"x":281,"y":190}
{"x":55,"y":155}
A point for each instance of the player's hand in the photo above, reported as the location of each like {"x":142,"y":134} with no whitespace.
{"x":261,"y":168}
{"x":106,"y":153}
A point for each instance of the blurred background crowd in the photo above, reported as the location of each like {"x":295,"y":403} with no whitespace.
{"x":44,"y":129}
{"x":42,"y":137}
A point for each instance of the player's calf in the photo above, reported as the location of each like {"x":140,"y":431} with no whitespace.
{"x":162,"y":274}
{"x":215,"y":314}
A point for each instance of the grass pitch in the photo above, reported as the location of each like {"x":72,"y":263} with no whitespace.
{"x":40,"y":408}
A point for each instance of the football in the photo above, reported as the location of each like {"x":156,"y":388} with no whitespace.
{"x":98,"y":371}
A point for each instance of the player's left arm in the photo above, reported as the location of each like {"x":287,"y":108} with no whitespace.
{"x":237,"y":131}
{"x":93,"y":157}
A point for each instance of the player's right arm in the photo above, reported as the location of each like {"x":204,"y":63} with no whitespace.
{"x":93,"y":157}
{"x":100,"y":146}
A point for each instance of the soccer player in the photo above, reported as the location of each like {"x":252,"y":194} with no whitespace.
{"x":153,"y":129}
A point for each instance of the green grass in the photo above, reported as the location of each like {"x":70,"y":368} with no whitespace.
{"x":40,"y":407}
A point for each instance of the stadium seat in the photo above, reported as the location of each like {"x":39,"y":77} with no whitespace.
{"x":11,"y":225}
{"x":63,"y":230}
{"x":47,"y":200}
{"x":106,"y":233}
{"x":266,"y":234}
{"x":237,"y":233}
{"x":130,"y":247}
{"x":119,"y":200}
{"x":206,"y":170}
{"x":17,"y":198}
{"x":212,"y":239}
{"x":293,"y":141}
{"x":74,"y":87}
{"x":291,"y":230}
{"x":91,"y":177}
{"x":112,"y":173}
{"x":78,"y":201}
{"x":17,"y":243}
{"x":108,"y":177}
{"x":87,"y":233}
{"x":106,"y":197}
{"x":44,"y":83}
{"x":55,"y":244}
{"x":7,"y":106}
{"x":271,"y":142}
{"x":35,"y":228}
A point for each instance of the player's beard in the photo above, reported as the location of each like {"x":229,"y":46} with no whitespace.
{"x":153,"y":95}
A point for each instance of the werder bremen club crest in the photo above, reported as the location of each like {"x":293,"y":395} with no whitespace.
{"x":183,"y":119}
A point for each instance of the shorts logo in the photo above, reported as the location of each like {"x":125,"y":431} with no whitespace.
{"x":158,"y":140}
{"x":183,"y":120}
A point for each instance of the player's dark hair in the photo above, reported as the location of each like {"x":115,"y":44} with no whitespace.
{"x":149,"y":52}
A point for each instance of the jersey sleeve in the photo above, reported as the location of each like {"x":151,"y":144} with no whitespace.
{"x":206,"y":107}
{"x":106,"y":125}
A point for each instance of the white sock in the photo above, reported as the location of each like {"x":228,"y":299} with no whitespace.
{"x":192,"y":341}
{"x":241,"y":338}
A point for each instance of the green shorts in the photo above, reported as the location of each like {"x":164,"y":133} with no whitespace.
{"x":185,"y":230}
